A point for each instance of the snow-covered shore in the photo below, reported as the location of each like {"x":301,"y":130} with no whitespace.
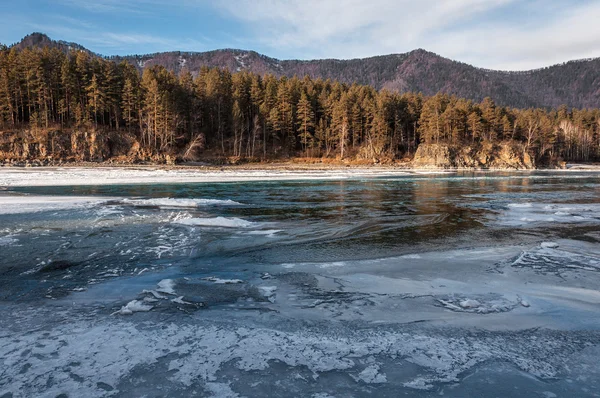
{"x":61,"y":176}
{"x":100,"y":175}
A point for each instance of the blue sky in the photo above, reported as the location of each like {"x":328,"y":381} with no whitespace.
{"x":497,"y":34}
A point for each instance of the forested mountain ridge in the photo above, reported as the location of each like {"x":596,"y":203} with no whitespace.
{"x":60,"y":103}
{"x":575,"y":83}
{"x":40,"y":40}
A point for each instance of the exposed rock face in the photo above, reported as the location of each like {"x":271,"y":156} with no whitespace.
{"x":506,"y":155}
{"x":433,"y":156}
{"x":52,"y":146}
{"x":512,"y":156}
{"x":55,"y":146}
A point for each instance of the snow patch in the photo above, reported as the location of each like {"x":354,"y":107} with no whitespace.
{"x":133,"y":306}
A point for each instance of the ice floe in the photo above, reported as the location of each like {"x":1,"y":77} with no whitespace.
{"x":371,"y":375}
{"x":20,"y":204}
{"x":166,"y":286}
{"x":550,"y":258}
{"x":524,"y":214}
{"x":132,"y":307}
{"x":224,"y":222}
{"x":179,"y":203}
{"x":483,"y":304}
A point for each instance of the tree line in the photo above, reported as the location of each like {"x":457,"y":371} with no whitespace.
{"x":246,"y":115}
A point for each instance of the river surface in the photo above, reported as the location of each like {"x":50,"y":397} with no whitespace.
{"x":456,"y":284}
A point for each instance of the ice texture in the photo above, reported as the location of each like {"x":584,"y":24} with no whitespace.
{"x":177,"y":203}
{"x":225,"y":222}
{"x":134,"y":306}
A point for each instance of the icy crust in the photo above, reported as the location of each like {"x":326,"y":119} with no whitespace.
{"x":170,"y":203}
{"x":551,"y":258}
{"x":63,"y":176}
{"x":109,"y":176}
{"x":96,"y":358}
{"x":481,"y":304}
{"x":21,"y":204}
{"x":527,"y":213}
{"x":223,"y":222}
{"x":133,"y":306}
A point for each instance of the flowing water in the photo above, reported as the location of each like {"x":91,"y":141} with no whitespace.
{"x":460,"y":284}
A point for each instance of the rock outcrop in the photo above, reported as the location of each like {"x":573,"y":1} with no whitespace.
{"x":505,"y":155}
{"x":434,"y":156}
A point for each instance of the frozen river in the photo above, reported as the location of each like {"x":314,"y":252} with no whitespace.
{"x":454,"y":284}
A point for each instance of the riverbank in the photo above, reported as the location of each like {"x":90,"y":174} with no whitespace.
{"x":97,"y":174}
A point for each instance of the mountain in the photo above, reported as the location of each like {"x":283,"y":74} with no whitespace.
{"x":40,"y":40}
{"x":575,"y":83}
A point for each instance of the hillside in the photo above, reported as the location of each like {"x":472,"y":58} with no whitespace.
{"x":575,"y":83}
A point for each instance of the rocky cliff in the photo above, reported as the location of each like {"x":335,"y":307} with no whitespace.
{"x":505,"y":155}
{"x":50,"y":147}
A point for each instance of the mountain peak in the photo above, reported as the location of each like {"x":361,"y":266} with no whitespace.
{"x":40,"y":40}
{"x":35,"y":39}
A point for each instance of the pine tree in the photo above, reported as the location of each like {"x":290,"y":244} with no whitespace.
{"x":305,"y":121}
{"x":94,"y":94}
{"x":128,"y":104}
{"x":475,"y":125}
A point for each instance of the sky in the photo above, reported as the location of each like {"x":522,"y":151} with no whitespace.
{"x":494,"y":34}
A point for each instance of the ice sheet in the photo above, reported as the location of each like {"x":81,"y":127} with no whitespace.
{"x":225,"y":222}
{"x":107,"y":175}
{"x":177,"y":203}
{"x":19,"y":204}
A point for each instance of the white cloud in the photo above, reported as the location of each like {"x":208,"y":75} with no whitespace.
{"x":570,"y":33}
{"x":467,"y":30}
{"x":352,"y":28}
{"x":496,"y":34}
{"x":107,"y":6}
{"x":108,"y":42}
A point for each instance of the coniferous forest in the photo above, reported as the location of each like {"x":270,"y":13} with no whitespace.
{"x":57,"y":105}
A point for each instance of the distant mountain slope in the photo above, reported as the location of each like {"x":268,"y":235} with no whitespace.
{"x":37,"y":39}
{"x":575,"y":83}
